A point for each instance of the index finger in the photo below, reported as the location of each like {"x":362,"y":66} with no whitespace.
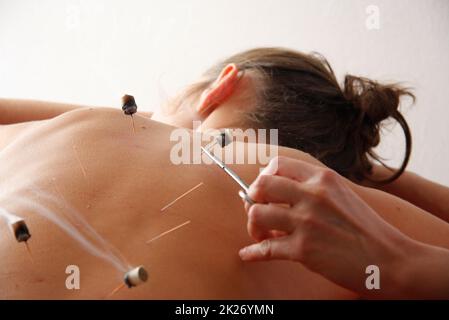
{"x":290,"y":168}
{"x":275,"y":189}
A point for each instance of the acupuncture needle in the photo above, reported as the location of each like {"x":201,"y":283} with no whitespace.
{"x":243,"y":193}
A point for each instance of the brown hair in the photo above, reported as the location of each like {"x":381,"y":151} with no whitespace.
{"x":300,"y":96}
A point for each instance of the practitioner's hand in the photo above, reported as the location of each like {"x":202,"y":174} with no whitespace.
{"x":308,"y":214}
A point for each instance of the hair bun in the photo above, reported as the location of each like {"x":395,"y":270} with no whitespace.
{"x":374,"y":103}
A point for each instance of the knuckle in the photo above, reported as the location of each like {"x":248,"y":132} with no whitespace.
{"x":252,"y":231}
{"x":266,"y":248}
{"x":294,"y":218}
{"x":297,"y":189}
{"x":308,"y":219}
{"x":255,"y":193}
{"x":319,"y":192}
{"x":260,"y":185}
{"x":254,"y":213}
{"x":262,"y":181}
{"x":327,"y":176}
{"x":279,"y":163}
{"x":298,"y":248}
{"x":312,"y":227}
{"x":292,"y":214}
{"x":303,"y":247}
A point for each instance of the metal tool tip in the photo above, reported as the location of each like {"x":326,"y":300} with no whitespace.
{"x":224,"y":138}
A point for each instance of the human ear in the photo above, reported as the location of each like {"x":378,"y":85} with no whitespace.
{"x":220,"y":90}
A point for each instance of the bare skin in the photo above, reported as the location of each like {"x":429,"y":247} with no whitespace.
{"x":426,"y":194}
{"x":119,"y":181}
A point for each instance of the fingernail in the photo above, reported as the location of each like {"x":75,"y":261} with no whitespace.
{"x":242,"y":195}
{"x":242,"y":253}
{"x":264,"y":170}
{"x":269,"y":169}
{"x":246,"y":199}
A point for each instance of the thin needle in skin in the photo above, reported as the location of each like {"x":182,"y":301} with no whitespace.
{"x":115,"y":290}
{"x":79,"y":162}
{"x":134,"y":127}
{"x":181,"y":196}
{"x":168,"y":231}
{"x":63,"y":199}
{"x":29,"y":251}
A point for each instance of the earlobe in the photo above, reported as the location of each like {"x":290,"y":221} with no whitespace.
{"x":220,"y":90}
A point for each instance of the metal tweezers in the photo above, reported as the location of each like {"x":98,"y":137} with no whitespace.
{"x":242,"y":193}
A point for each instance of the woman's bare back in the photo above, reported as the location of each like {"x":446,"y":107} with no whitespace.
{"x":88,"y":168}
{"x":91,"y":191}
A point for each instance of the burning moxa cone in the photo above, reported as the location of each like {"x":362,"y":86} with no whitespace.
{"x":129,"y":106}
{"x":20,"y":231}
{"x":17,"y":225}
{"x":136,"y":276}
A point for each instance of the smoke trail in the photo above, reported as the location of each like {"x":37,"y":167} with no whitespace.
{"x":75,"y":234}
{"x":82,"y":221}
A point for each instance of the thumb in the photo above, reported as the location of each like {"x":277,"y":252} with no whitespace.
{"x":268,"y":249}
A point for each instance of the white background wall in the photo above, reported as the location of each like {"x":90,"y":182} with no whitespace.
{"x":92,"y":52}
